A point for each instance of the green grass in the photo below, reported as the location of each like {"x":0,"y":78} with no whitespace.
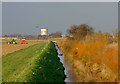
{"x":37,"y":63}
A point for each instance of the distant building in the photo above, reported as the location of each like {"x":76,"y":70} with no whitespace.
{"x":44,"y":31}
{"x":63,"y":36}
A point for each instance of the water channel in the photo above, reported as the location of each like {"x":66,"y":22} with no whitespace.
{"x":70,"y":72}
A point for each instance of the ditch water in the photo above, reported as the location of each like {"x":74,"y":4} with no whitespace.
{"x":70,"y":72}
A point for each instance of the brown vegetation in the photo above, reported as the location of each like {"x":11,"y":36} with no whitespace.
{"x":55,"y":35}
{"x":94,"y":54}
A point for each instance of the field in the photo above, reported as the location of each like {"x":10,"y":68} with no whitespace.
{"x":11,"y":48}
{"x":37,"y":63}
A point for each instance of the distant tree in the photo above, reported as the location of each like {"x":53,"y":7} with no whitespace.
{"x":115,"y":35}
{"x":72,"y":30}
{"x":80,"y":31}
{"x":107,"y":35}
{"x":56,"y":35}
{"x":99,"y":31}
{"x":29,"y":37}
{"x":5,"y":36}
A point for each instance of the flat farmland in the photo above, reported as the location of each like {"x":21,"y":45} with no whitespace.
{"x":14,"y":47}
{"x":37,"y":63}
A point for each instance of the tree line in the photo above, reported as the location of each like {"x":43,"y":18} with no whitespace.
{"x":19,"y":36}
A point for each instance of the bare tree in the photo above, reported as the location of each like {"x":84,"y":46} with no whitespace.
{"x":80,"y":31}
{"x":56,"y":35}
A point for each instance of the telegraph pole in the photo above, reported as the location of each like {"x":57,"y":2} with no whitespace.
{"x":37,"y":30}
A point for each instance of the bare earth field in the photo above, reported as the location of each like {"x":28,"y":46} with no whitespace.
{"x":14,"y":47}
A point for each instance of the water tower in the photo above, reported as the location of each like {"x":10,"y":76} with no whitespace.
{"x":44,"y":31}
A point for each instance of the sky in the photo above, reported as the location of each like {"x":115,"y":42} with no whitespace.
{"x":59,"y":0}
{"x":0,"y":19}
{"x":22,"y":17}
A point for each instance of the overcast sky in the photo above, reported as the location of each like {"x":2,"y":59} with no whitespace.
{"x":59,"y":0}
{"x":21,"y":17}
{"x":0,"y":19}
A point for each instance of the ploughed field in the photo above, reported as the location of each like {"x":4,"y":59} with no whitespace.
{"x":14,"y":47}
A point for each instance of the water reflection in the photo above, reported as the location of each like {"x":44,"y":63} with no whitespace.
{"x":70,"y":72}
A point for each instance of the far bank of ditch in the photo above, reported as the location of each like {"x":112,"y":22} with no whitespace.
{"x":88,"y":70}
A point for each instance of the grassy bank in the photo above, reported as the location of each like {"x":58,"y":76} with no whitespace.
{"x":37,"y":63}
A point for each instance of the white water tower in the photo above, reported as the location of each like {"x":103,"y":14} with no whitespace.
{"x":44,"y":31}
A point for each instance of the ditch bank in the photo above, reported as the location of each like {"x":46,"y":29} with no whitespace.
{"x":48,"y":68}
{"x":71,"y":73}
{"x":89,"y":71}
{"x":37,"y":63}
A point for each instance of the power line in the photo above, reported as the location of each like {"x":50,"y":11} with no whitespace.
{"x":37,"y":31}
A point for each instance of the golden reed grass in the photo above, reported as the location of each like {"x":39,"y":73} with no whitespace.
{"x":98,"y":51}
